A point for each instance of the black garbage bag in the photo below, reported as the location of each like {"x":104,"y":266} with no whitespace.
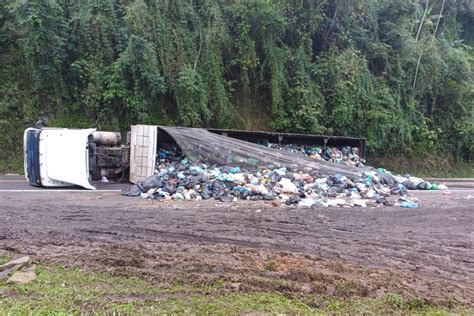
{"x":154,"y":181}
{"x":133,"y":190}
{"x":410,"y":185}
{"x":385,"y":178}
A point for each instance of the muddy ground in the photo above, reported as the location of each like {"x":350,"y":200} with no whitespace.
{"x":426,"y":253}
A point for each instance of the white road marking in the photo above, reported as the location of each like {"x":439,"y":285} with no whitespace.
{"x":67,"y":190}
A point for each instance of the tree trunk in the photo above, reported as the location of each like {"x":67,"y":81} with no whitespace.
{"x":422,"y":21}
{"x":437,"y":23}
{"x":417,"y":38}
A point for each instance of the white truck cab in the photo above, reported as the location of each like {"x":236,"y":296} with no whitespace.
{"x":58,"y":157}
{"x":63,"y":157}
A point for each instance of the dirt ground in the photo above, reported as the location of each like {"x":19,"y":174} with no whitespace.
{"x":426,"y":253}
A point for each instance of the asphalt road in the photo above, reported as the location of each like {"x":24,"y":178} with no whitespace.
{"x":18,"y":183}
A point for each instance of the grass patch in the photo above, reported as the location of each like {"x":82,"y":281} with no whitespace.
{"x":349,"y":288}
{"x":271,"y":265}
{"x":390,"y":304}
{"x":3,"y":261}
{"x":67,"y":290}
{"x":232,"y":303}
{"x":75,"y":291}
{"x":4,"y":258}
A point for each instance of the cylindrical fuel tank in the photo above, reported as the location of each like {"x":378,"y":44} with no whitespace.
{"x":106,"y":138}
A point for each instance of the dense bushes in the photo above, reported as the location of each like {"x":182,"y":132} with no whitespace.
{"x":336,"y":67}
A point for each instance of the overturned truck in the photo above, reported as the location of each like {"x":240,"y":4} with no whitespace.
{"x":58,"y":157}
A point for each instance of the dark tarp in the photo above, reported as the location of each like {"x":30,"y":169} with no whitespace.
{"x":198,"y":144}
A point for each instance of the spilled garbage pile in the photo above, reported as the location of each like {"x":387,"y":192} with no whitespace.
{"x":346,"y":155}
{"x":350,"y":156}
{"x":177,"y":178}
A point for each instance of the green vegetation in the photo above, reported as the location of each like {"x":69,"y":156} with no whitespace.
{"x":4,"y":260}
{"x":398,"y":72}
{"x":75,"y":291}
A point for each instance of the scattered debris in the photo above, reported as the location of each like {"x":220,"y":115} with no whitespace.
{"x":177,"y":178}
{"x":23,"y":277}
{"x":406,"y":203}
{"x":346,"y":155}
{"x":359,"y":202}
{"x":13,"y":265}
